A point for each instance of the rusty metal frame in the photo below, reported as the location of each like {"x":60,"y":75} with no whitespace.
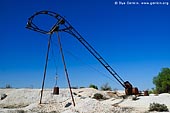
{"x":62,"y":25}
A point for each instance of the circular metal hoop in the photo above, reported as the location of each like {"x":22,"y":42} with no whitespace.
{"x":60,"y":25}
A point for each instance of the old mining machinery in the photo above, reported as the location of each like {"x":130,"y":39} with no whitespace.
{"x":62,"y":25}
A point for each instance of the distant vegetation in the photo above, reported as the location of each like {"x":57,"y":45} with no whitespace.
{"x":93,"y":86}
{"x":106,"y":87}
{"x":152,"y":91}
{"x":162,"y":81}
{"x":8,"y":86}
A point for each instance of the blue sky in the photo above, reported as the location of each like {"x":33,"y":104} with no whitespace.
{"x":133,"y":39}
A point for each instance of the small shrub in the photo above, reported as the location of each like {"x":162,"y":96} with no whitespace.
{"x":158,"y":107}
{"x":106,"y":87}
{"x":20,"y":111}
{"x":93,"y":86}
{"x":8,"y":86}
{"x":98,"y":96}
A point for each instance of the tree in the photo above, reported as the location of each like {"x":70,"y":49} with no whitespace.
{"x":162,"y":81}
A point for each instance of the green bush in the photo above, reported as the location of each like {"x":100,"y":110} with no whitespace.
{"x":93,"y":86}
{"x":98,"y":96}
{"x":158,"y":107}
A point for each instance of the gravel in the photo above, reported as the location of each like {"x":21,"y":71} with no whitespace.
{"x":27,"y":101}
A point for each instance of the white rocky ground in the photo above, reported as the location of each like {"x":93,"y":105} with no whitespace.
{"x":27,"y":101}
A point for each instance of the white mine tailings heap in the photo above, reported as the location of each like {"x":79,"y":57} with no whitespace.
{"x":27,"y":101}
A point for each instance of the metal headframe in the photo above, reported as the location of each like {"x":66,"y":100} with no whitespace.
{"x":63,"y":25}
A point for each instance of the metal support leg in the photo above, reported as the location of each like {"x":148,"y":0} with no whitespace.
{"x":65,"y":68}
{"x":45,"y":68}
